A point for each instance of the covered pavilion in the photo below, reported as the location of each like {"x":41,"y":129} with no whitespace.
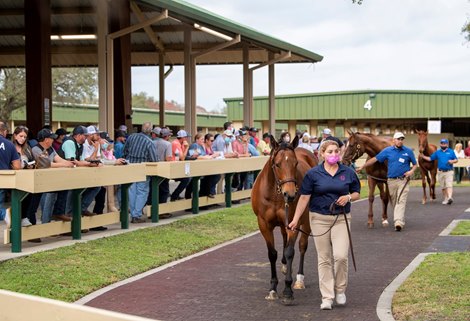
{"x":115,"y":35}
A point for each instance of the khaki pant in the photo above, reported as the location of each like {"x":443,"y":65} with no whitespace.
{"x":332,"y":252}
{"x":395,"y":187}
{"x":446,"y":179}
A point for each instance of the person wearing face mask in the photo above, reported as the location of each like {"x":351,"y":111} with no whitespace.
{"x":399,"y":158}
{"x":446,"y":159}
{"x":328,"y":190}
{"x":285,"y":138}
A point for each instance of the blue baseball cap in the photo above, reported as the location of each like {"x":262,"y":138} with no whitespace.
{"x":444,"y":141}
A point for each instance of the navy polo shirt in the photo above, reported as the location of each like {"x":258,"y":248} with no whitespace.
{"x":8,"y":153}
{"x":326,"y":189}
{"x":399,"y":160}
{"x":443,"y":158}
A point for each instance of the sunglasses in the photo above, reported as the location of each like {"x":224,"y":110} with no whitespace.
{"x":401,"y":138}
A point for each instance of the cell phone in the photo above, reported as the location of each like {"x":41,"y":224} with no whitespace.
{"x":95,"y":161}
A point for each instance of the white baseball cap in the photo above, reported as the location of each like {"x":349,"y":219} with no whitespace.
{"x":327,"y":131}
{"x":398,"y":135}
{"x":92,"y":130}
{"x":181,"y":134}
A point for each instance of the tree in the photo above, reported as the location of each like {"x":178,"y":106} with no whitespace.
{"x":69,"y":85}
{"x":466,"y":30}
{"x":74,"y":85}
{"x":12,"y":91}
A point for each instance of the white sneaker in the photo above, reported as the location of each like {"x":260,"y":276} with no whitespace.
{"x":340,"y":298}
{"x":25,"y":222}
{"x":326,"y":304}
{"x":8,"y":217}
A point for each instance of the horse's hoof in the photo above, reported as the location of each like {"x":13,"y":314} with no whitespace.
{"x":423,"y":202}
{"x":299,"y":283}
{"x":272,"y":295}
{"x":384,"y":223}
{"x":284,"y":269}
{"x":288,"y":300}
{"x":370,"y":225}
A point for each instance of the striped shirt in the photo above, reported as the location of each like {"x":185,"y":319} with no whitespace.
{"x":139,"y":148}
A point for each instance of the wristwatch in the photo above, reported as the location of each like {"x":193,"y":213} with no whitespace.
{"x":350,"y":198}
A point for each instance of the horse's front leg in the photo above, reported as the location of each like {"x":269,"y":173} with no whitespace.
{"x":303,"y":245}
{"x":288,"y":294}
{"x":424,"y":177}
{"x":284,"y":244}
{"x":432,"y":185}
{"x":384,"y":198}
{"x":267,"y":232}
{"x":370,"y":216}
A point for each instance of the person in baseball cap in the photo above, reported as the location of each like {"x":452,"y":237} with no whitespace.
{"x":398,"y":135}
{"x":46,"y":133}
{"x":166,"y":132}
{"x":79,"y":130}
{"x":446,"y":159}
{"x":182,"y":134}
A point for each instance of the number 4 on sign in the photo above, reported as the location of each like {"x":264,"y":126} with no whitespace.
{"x":368,"y":105}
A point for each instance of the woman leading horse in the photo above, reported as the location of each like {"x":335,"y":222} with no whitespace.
{"x":274,"y":199}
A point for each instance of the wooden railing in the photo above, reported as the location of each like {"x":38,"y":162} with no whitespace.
{"x":78,"y":179}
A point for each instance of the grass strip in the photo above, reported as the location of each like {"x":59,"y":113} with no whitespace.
{"x":72,"y":272}
{"x":462,"y":228}
{"x":436,"y":290}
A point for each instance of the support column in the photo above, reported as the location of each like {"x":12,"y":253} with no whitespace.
{"x":106,"y":110}
{"x":247,"y":86}
{"x":37,"y":17}
{"x":314,"y":128}
{"x":187,"y":80}
{"x":119,"y":19}
{"x":272,"y":95}
{"x":161,"y":87}
{"x":291,"y":128}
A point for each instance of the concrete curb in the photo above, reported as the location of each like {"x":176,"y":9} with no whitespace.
{"x":384,"y":304}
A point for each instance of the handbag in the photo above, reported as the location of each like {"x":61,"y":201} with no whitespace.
{"x":43,"y":160}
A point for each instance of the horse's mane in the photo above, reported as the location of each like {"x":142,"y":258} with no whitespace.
{"x":372,"y":136}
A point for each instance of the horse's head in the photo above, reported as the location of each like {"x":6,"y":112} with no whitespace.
{"x":284,"y":166}
{"x":422,"y":140}
{"x":354,"y":148}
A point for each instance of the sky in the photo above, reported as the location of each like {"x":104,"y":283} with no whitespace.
{"x":381,"y":44}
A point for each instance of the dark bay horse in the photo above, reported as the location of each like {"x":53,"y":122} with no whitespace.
{"x":428,"y":169}
{"x":358,"y":144}
{"x":274,"y":199}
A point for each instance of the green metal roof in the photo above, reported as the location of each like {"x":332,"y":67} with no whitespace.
{"x":185,"y":11}
{"x":344,"y":105}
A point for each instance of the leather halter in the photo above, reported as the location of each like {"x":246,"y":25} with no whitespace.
{"x":357,"y":152}
{"x":279,"y":182}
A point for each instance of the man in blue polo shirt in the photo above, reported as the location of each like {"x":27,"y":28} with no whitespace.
{"x":9,"y":159}
{"x":399,"y":172}
{"x":446,"y":159}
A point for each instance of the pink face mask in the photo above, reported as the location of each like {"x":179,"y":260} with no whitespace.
{"x":332,"y":159}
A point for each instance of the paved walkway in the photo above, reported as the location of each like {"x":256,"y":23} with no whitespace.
{"x":230,"y":282}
